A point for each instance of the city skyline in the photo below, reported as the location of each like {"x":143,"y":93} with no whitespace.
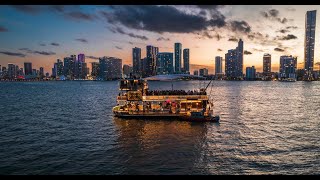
{"x":97,"y":31}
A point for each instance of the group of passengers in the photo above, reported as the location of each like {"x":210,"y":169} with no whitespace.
{"x":175,"y":92}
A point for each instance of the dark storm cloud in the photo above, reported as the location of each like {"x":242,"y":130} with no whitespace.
{"x":118,"y":47}
{"x":233,"y":39}
{"x":209,"y":7}
{"x":259,"y":50}
{"x":3,"y":29}
{"x":270,"y":13}
{"x":279,"y":49}
{"x":207,"y":35}
{"x":256,"y":35}
{"x":240,"y":26}
{"x":27,"y":50}
{"x":287,"y":37}
{"x":24,"y":49}
{"x":283,"y":31}
{"x":44,"y":53}
{"x":247,"y":52}
{"x":163,"y":39}
{"x":92,"y":57}
{"x":137,"y":36}
{"x":218,"y":36}
{"x":203,"y":13}
{"x":283,"y":21}
{"x":78,"y":15}
{"x":161,"y":19}
{"x":273,"y":14}
{"x":54,"y":44}
{"x":12,"y":53}
{"x":121,"y":31}
{"x":82,"y":40}
{"x":219,"y":49}
{"x":291,"y":27}
{"x":29,"y":9}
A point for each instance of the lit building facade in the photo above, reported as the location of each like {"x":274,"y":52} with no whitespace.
{"x":165,"y":63}
{"x":310,"y":28}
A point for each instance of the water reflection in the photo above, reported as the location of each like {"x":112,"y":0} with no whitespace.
{"x":172,"y":147}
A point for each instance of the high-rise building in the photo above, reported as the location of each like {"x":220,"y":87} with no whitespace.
{"x":69,"y":66}
{"x":203,"y":72}
{"x":95,"y":69}
{"x":66,"y":65}
{"x":81,"y":58}
{"x":310,"y":27}
{"x":186,"y":61}
{"x":110,"y":68}
{"x":34,"y":72}
{"x":11,"y":71}
{"x":59,"y":68}
{"x":127,"y":70}
{"x":165,"y":63}
{"x":41,"y":72}
{"x":267,"y":66}
{"x":250,"y":73}
{"x":20,"y":73}
{"x":218,"y":66}
{"x":17,"y":73}
{"x":136,"y":61}
{"x":27,"y":68}
{"x":177,"y":57}
{"x":196,"y":72}
{"x":54,"y":70}
{"x":288,"y":67}
{"x":234,"y":62}
{"x":150,"y":63}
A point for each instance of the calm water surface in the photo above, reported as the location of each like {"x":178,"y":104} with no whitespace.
{"x":68,"y":128}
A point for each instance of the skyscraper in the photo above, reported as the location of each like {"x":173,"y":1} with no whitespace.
{"x":177,"y":57}
{"x":110,"y":68}
{"x":136,"y":61}
{"x":234,"y":62}
{"x":250,"y":73}
{"x":81,"y":58}
{"x":11,"y":71}
{"x":218,"y":66}
{"x":59,"y":68}
{"x":127,"y":70}
{"x":165,"y":63}
{"x":150,"y":64}
{"x":267,"y":66}
{"x":288,"y":67}
{"x":203,"y":72}
{"x":186,"y":61}
{"x":28,"y":68}
{"x":54,"y":70}
{"x":41,"y":72}
{"x":95,"y":69}
{"x":310,"y":26}
{"x":69,"y":66}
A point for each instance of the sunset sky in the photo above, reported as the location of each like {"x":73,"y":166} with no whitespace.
{"x":42,"y":34}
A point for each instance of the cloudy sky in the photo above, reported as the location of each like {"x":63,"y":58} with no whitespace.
{"x":41,"y":34}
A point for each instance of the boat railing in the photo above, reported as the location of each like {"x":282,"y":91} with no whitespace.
{"x":121,"y":97}
{"x":177,"y":97}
